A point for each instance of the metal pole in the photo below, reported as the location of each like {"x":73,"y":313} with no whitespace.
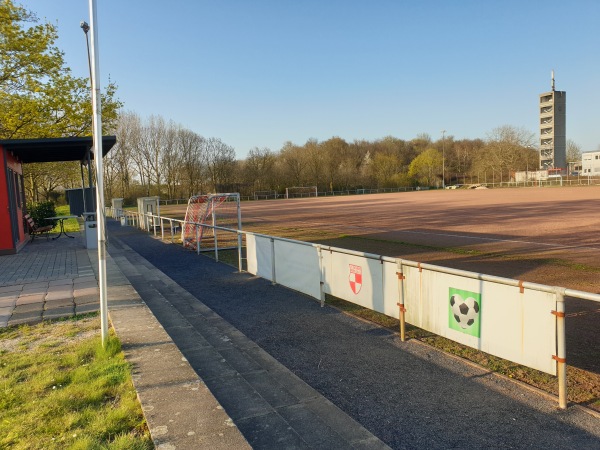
{"x":197,"y":239}
{"x":443,"y":159}
{"x":97,"y":134}
{"x":239,"y":219}
{"x":273,"y":274}
{"x":214,"y":224}
{"x":321,"y":277}
{"x":239,"y":237}
{"x":561,"y":348}
{"x":401,"y":301}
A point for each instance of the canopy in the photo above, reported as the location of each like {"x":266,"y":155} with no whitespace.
{"x":55,"y":149}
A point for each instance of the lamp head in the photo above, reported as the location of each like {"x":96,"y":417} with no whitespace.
{"x":84,"y":26}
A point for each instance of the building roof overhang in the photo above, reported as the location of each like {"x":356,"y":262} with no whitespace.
{"x":55,"y":149}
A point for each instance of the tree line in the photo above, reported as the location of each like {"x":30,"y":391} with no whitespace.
{"x":159,"y":157}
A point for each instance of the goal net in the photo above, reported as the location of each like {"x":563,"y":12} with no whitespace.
{"x":301,"y":191}
{"x":220,"y":210}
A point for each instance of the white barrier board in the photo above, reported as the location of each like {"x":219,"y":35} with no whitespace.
{"x":354,"y":279}
{"x":297,"y":267}
{"x":259,"y":258}
{"x":491,"y":317}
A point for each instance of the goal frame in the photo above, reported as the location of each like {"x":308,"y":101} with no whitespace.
{"x":309,"y":189}
{"x":193,"y":233}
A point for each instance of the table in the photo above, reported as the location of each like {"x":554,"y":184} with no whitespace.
{"x":61,"y":220}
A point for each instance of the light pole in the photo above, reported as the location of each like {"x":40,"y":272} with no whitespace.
{"x":443,"y":159}
{"x":93,"y":60}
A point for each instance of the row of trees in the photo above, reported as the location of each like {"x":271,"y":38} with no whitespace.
{"x":157,"y":157}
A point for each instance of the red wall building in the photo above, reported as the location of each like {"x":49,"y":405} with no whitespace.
{"x":16,"y":152}
{"x":12,"y":200}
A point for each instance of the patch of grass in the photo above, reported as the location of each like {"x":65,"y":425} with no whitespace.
{"x":71,"y":225}
{"x":583,"y":387}
{"x":59,"y":388}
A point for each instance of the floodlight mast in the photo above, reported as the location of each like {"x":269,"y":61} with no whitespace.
{"x":443,"y":159}
{"x":97,"y":134}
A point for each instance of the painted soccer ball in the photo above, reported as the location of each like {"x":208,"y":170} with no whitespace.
{"x":464,"y":311}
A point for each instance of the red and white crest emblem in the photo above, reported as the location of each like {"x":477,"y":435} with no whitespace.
{"x":355,"y":278}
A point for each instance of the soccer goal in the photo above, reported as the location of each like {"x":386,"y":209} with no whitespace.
{"x":265,"y":195}
{"x":216,"y":210}
{"x":300,"y":191}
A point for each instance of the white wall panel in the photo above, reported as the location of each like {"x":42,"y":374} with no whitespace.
{"x":518,"y":327}
{"x":354,"y":279}
{"x":259,"y":258}
{"x":297,"y":267}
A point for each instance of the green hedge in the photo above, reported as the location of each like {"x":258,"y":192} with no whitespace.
{"x":39,"y":212}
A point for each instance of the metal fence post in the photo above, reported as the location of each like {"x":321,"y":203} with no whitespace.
{"x":321,"y":278}
{"x":561,"y":348}
{"x":402,"y":317}
{"x":273,"y":272}
{"x":198,"y":239}
{"x":240,"y":251}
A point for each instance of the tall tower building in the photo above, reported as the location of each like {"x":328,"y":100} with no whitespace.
{"x":553,"y":137}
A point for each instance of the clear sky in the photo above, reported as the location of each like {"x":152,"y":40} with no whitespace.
{"x":257,"y":73}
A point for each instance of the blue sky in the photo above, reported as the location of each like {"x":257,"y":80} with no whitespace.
{"x":257,"y":73}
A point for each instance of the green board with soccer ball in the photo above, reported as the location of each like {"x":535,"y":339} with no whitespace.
{"x":464,"y":311}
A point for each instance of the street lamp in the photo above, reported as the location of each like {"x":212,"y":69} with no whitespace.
{"x":85,"y":27}
{"x":443,"y":159}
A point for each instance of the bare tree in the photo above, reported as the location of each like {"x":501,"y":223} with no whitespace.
{"x":573,"y":152}
{"x":258,"y":168}
{"x":220,"y":162}
{"x":193,"y":160}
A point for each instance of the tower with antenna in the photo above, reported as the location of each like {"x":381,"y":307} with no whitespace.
{"x":553,"y":137}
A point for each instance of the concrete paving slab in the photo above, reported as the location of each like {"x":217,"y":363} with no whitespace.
{"x":29,"y":307}
{"x":93,"y":290}
{"x":270,"y":389}
{"x":24,"y":299}
{"x":8,"y":301}
{"x":59,"y":295}
{"x":209,"y":363}
{"x":27,"y":290}
{"x":35,"y":285}
{"x":87,"y":308}
{"x":11,"y":288}
{"x":238,"y":397}
{"x":61,"y":282}
{"x":82,"y":280}
{"x":4,"y":320}
{"x":56,"y":313}
{"x":30,"y":317}
{"x":87,"y":299}
{"x":271,"y":431}
{"x":191,"y":339}
{"x":59,"y":303}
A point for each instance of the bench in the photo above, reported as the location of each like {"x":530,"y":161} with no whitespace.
{"x":34,"y":230}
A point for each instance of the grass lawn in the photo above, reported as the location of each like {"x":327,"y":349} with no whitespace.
{"x":71,"y":225}
{"x":60,"y":389}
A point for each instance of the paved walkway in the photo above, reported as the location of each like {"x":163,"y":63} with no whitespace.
{"x":46,"y":280}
